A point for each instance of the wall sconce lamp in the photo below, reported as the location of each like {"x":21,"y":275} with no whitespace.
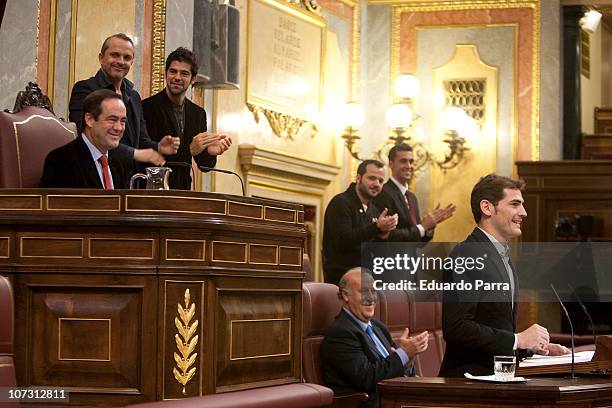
{"x":352,"y":116}
{"x":400,"y":117}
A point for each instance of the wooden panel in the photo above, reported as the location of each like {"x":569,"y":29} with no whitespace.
{"x":290,"y":256}
{"x":50,"y":247}
{"x":263,"y":254}
{"x":277,"y":333}
{"x":5,"y":247}
{"x":121,"y":248}
{"x":223,"y":251}
{"x":116,"y":341}
{"x":103,"y":203}
{"x":20,"y":202}
{"x":84,"y":339}
{"x":169,"y":204}
{"x":245,"y":210}
{"x":175,"y":296}
{"x":603,"y":120}
{"x":279,"y":214}
{"x":575,"y":181}
{"x":262,"y":320}
{"x":185,"y":250}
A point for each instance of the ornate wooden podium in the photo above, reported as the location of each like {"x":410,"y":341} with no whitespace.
{"x":128,"y":296}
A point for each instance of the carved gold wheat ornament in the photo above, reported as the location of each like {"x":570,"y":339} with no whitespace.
{"x":185,"y":343}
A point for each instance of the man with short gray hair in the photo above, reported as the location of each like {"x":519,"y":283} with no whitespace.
{"x":358,"y":351}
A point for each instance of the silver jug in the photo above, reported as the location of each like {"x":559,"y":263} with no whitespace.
{"x":156,"y":177}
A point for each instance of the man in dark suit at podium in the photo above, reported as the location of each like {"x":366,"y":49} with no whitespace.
{"x":358,"y":351}
{"x":396,"y":197}
{"x":480,"y":324}
{"x":84,"y":162}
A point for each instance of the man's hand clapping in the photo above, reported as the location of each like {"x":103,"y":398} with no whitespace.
{"x":215,"y":143}
{"x":386,"y":223}
{"x":437,"y":215}
{"x":169,"y":145}
{"x":413,"y":345}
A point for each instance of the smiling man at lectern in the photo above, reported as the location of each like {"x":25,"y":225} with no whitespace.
{"x":482,"y":324}
{"x":84,"y":162}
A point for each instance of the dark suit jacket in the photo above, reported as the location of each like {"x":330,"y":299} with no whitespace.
{"x":392,"y":199}
{"x":135,"y":135}
{"x":480,"y":325}
{"x":72,"y":166}
{"x":345,"y":227}
{"x":161,"y":121}
{"x":351,"y":363}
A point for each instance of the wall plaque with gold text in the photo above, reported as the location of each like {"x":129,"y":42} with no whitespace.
{"x":285,"y":58}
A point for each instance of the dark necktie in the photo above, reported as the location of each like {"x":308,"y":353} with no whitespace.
{"x":105,"y":172}
{"x":411,"y":208}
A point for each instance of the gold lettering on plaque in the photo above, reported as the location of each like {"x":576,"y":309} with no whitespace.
{"x":186,"y":342}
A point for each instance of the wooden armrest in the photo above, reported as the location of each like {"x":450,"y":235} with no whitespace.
{"x":349,"y":401}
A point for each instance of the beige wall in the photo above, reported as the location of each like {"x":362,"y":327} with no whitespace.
{"x":591,"y":88}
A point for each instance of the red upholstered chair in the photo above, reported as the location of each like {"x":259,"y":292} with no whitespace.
{"x":7,"y":316}
{"x":26,"y":136}
{"x":320,"y":307}
{"x":428,"y":316}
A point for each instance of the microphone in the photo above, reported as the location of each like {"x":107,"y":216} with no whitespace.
{"x":570,"y":323}
{"x":204,"y":168}
{"x":586,"y":312}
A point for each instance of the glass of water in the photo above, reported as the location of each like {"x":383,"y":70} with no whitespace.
{"x":504,"y":368}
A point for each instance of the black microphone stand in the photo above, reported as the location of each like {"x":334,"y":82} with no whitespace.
{"x":204,"y":168}
{"x":571,"y":327}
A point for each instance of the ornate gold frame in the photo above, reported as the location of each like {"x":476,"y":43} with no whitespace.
{"x":402,"y":6}
{"x":158,"y":48}
{"x":285,"y":122}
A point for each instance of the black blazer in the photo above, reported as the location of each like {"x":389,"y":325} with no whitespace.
{"x":72,"y":166}
{"x":350,"y":361}
{"x":480,"y":325}
{"x":135,"y":135}
{"x":161,"y":121}
{"x":346,"y":226}
{"x":392,"y":199}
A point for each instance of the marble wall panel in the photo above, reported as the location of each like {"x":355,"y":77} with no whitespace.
{"x":179,"y":28}
{"x":61,"y":91}
{"x":375,"y":76}
{"x":17,"y":49}
{"x":551,"y":87}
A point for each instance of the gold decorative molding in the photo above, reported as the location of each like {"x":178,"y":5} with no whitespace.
{"x":283,"y":125}
{"x":158,"y":46}
{"x":186,"y":342}
{"x":308,"y":5}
